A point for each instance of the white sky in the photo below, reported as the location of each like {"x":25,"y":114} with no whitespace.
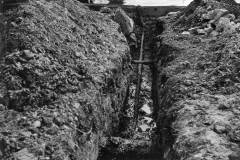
{"x":158,"y":2}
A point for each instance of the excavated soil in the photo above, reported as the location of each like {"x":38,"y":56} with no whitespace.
{"x":199,"y":100}
{"x":63,"y":77}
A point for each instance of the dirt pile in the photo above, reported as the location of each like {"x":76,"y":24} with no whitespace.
{"x":199,"y":86}
{"x":210,"y":17}
{"x":63,"y":77}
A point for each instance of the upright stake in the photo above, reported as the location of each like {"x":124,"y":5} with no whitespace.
{"x":138,"y":87}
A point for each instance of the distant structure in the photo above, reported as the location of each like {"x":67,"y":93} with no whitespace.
{"x":116,"y":2}
{"x":86,"y":1}
{"x":101,"y":1}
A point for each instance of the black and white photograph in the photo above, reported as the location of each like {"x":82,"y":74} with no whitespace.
{"x":119,"y":79}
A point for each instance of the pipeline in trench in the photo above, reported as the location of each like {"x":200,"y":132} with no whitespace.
{"x":144,"y":140}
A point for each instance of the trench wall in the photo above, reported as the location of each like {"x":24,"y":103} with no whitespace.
{"x":64,"y":72}
{"x":196,"y":114}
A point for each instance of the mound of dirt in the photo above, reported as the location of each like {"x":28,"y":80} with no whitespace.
{"x":63,"y":75}
{"x":198,"y":116}
{"x":206,"y":13}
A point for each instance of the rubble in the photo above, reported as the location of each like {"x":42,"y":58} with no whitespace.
{"x":210,"y":16}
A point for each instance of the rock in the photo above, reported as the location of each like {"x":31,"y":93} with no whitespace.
{"x":147,"y":120}
{"x":224,"y":25}
{"x":208,"y":30}
{"x":234,"y":156}
{"x":78,"y":54}
{"x":209,"y":8}
{"x":2,"y":107}
{"x":53,"y":130}
{"x":27,"y":54}
{"x":47,"y":121}
{"x":173,"y":14}
{"x":237,"y":27}
{"x":37,"y":124}
{"x":146,"y":109}
{"x":76,"y":105}
{"x":44,"y":158}
{"x":219,"y":128}
{"x":144,"y":128}
{"x":24,"y":155}
{"x":35,"y":135}
{"x":65,"y":128}
{"x":201,"y":32}
{"x":19,"y":20}
{"x":230,"y":16}
{"x":13,"y":24}
{"x":58,"y":121}
{"x":26,"y":134}
{"x":214,"y":33}
{"x":186,"y":33}
{"x":185,"y":64}
{"x":214,"y":15}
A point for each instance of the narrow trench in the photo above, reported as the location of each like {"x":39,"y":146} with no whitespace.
{"x":142,"y":143}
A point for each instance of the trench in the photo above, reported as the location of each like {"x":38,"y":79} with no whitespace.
{"x":151,"y":139}
{"x":154,"y":143}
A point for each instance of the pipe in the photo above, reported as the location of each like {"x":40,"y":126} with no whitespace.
{"x":138,"y":88}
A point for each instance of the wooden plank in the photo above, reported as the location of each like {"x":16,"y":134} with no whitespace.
{"x":146,"y":62}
